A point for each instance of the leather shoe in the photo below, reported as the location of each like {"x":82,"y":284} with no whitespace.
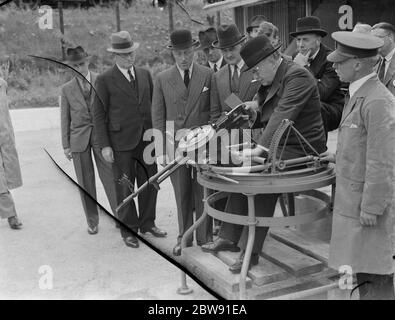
{"x":131,"y":241}
{"x":156,"y":232}
{"x":236,"y":267}
{"x":93,"y":230}
{"x":14,"y":222}
{"x":220,"y":244}
{"x":177,"y":250}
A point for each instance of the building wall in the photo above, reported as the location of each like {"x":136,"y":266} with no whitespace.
{"x":284,"y":13}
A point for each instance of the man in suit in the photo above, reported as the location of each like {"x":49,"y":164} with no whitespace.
{"x":10,"y":171}
{"x":362,"y":226}
{"x":79,"y":138}
{"x":182,"y":99}
{"x":312,"y":56}
{"x":122,"y":112}
{"x":386,"y":66}
{"x":287,"y":91}
{"x":215,"y":59}
{"x":233,"y":78}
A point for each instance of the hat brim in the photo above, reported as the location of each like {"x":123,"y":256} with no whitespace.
{"x":71,"y":63}
{"x":216,"y":46}
{"x":263,"y":58}
{"x":126,"y":50}
{"x":249,"y":28}
{"x":337,"y":56}
{"x":320,"y":32}
{"x":194,"y":43}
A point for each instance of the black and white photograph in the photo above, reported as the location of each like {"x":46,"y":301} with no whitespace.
{"x":190,"y":152}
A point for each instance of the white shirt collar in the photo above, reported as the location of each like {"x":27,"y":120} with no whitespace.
{"x":125,"y":72}
{"x":218,"y":63}
{"x":354,"y":86}
{"x":181,"y":71}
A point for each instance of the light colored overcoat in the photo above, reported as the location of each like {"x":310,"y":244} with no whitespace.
{"x":365,"y":162}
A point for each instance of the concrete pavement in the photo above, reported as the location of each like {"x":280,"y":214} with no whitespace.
{"x":54,"y":234}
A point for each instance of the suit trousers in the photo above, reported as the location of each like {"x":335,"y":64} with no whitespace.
{"x":7,"y":206}
{"x":265,"y":205}
{"x":132,"y":164}
{"x":375,"y":286}
{"x":189,"y":197}
{"x":84,"y":169}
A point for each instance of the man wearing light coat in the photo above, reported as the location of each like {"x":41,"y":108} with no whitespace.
{"x":365,"y":162}
{"x":10,"y":172}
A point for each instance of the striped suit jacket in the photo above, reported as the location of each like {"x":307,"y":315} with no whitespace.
{"x":172,"y":101}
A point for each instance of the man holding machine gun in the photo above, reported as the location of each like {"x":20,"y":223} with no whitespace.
{"x":287,"y":91}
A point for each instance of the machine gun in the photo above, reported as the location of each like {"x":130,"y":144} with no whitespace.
{"x":192,"y":143}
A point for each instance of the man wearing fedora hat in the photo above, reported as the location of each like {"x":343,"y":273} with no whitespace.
{"x":363,"y":213}
{"x":214,"y":57}
{"x":122,"y":114}
{"x":79,"y":138}
{"x":253,"y":27}
{"x":234,"y":78}
{"x":287,"y":91}
{"x":181,"y":100}
{"x":312,"y":55}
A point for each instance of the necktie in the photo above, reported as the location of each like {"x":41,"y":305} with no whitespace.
{"x":382,"y":70}
{"x":215,"y":67}
{"x":235,"y":80}
{"x":132,"y":81}
{"x":186,"y":78}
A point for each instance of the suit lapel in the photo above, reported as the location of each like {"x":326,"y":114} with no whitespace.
{"x":140,"y":82}
{"x":121,"y":82}
{"x":318,"y":61}
{"x":76,"y":92}
{"x":176,"y":82}
{"x":195,"y":88}
{"x":93,"y":83}
{"x":276,"y":82}
{"x":390,"y":72}
{"x":245,"y":82}
{"x":360,"y":93}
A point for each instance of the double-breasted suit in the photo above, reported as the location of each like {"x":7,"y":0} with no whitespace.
{"x":365,"y":162}
{"x":122,"y":113}
{"x":79,"y":135}
{"x":181,"y":108}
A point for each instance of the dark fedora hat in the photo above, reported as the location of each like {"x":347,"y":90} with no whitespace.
{"x":257,"y":49}
{"x":181,"y":39}
{"x":255,"y":22}
{"x":309,"y":25}
{"x":207,"y":37}
{"x":76,"y":55}
{"x":228,"y":36}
